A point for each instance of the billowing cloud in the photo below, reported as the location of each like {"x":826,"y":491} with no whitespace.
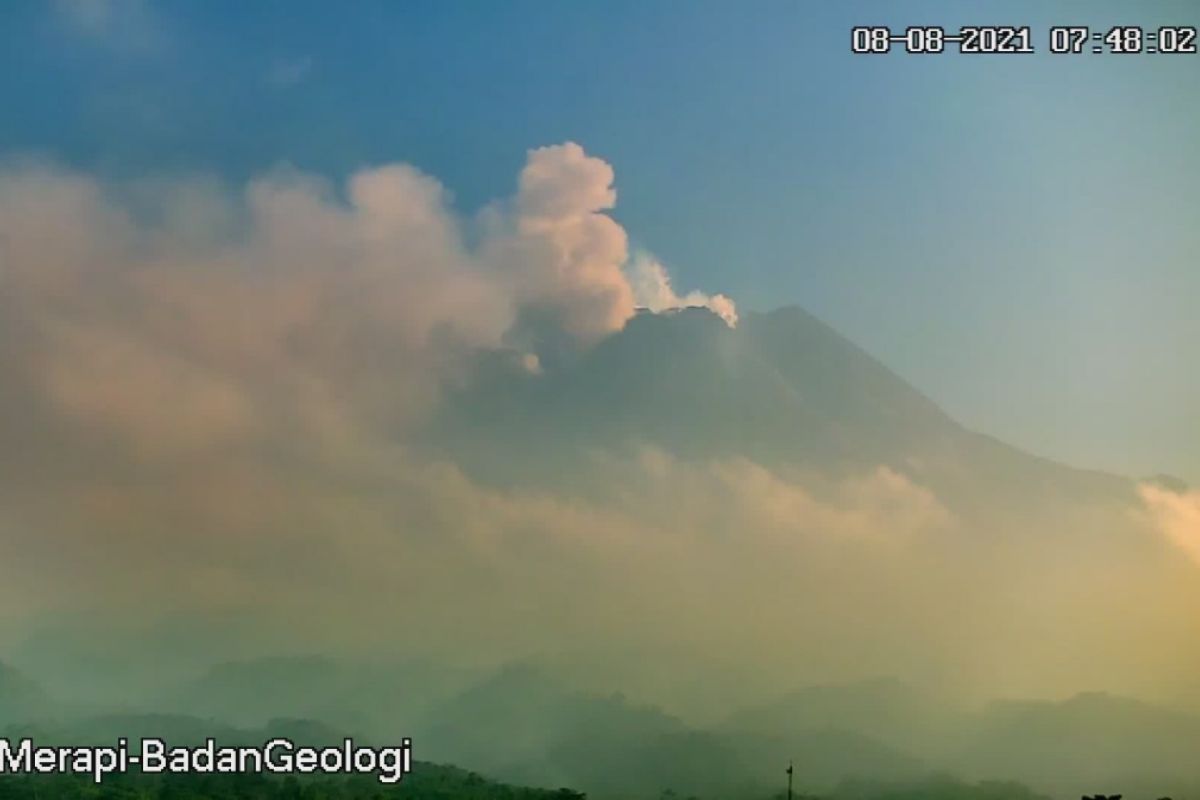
{"x":1176,"y":514}
{"x":652,"y":289}
{"x":563,"y":255}
{"x":291,"y":309}
{"x":318,"y":315}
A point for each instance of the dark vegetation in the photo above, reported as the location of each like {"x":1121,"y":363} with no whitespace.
{"x":426,"y":782}
{"x":431,"y":782}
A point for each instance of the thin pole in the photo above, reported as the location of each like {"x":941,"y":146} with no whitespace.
{"x":789,"y":772}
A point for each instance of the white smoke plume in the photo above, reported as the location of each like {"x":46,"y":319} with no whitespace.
{"x":652,"y":289}
{"x":1176,"y":514}
{"x":561,"y":253}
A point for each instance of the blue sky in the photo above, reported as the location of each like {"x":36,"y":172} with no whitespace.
{"x":1018,"y":236}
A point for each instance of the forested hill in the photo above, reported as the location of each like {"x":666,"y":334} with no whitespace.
{"x":426,"y":782}
{"x":432,"y":782}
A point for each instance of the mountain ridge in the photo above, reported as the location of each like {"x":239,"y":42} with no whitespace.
{"x":782,"y":388}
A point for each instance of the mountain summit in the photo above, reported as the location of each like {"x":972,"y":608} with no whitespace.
{"x":782,"y":388}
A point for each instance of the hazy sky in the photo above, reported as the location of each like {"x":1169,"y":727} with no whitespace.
{"x":1019,"y":236}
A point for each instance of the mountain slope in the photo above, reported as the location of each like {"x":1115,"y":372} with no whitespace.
{"x":783,"y":389}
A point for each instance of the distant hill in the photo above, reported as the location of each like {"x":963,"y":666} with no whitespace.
{"x":21,"y":698}
{"x":1085,"y":744}
{"x":523,"y":725}
{"x":885,"y":710}
{"x":380,"y":700}
{"x":426,"y":781}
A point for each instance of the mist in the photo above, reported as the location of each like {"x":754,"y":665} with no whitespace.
{"x":234,"y":421}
